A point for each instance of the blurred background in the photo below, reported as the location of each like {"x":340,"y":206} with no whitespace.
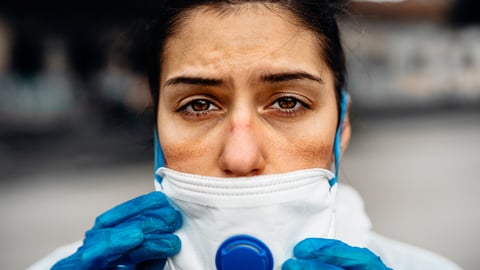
{"x":76,"y":122}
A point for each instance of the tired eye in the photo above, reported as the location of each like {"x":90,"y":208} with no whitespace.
{"x":288,"y":106}
{"x":198,"y":108}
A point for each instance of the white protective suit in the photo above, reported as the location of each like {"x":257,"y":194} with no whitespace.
{"x":352,"y":226}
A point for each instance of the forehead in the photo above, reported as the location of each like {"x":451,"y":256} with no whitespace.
{"x":249,"y":14}
{"x":243,"y":35}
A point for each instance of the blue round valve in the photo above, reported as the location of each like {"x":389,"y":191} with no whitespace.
{"x":243,"y":252}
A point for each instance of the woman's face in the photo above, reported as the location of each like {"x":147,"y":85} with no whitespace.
{"x":245,"y":93}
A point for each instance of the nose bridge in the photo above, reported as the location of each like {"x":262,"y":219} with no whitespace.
{"x":241,"y":131}
{"x":242,"y":154}
{"x":241,"y":119}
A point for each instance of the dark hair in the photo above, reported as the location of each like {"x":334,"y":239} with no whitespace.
{"x":319,"y":16}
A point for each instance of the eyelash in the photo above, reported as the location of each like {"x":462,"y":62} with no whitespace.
{"x":299,"y":106}
{"x":189,"y":111}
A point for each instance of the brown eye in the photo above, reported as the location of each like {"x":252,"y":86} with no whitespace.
{"x":288,"y":106}
{"x":200,"y":105}
{"x":287,"y":102}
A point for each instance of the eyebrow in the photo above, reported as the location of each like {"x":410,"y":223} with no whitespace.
{"x":272,"y":78}
{"x":194,"y":81}
{"x":290,"y":76}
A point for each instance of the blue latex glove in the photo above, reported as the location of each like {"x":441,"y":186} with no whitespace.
{"x":136,"y":232}
{"x":329,"y":254}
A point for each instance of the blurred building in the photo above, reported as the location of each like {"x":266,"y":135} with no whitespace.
{"x":412,"y":55}
{"x":68,"y":93}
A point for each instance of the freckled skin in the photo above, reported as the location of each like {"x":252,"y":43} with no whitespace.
{"x":245,"y":135}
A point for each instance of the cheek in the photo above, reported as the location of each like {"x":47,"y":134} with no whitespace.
{"x":186,"y":157}
{"x":310,"y":146}
{"x":314,"y":152}
{"x":302,"y":154}
{"x":307,"y":153}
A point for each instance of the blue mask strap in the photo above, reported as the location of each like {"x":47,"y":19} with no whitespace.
{"x":158,"y":160}
{"x":337,"y":148}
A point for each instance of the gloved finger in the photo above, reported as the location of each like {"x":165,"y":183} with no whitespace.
{"x":129,"y":209}
{"x":163,"y":220}
{"x":338,"y":253}
{"x":154,"y":247}
{"x":101,"y":247}
{"x":293,"y":264}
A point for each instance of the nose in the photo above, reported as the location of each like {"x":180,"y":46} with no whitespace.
{"x":241,"y":154}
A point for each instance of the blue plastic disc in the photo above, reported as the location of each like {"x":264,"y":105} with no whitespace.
{"x":243,"y":252}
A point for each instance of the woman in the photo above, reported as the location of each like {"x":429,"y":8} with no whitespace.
{"x":246,"y":92}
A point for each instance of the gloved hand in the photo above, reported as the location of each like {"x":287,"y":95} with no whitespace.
{"x":137,"y":231}
{"x":329,"y":254}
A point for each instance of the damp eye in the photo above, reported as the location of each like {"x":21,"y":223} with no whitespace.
{"x":198,"y":108}
{"x":288,"y":105}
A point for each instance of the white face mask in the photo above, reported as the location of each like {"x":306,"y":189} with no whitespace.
{"x":266,"y":216}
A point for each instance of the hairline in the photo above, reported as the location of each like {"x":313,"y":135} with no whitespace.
{"x":225,"y":9}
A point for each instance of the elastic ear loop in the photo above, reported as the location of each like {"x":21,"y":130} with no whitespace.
{"x":337,"y":145}
{"x":158,"y":159}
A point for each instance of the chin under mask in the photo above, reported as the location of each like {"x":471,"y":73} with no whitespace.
{"x":248,"y":222}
